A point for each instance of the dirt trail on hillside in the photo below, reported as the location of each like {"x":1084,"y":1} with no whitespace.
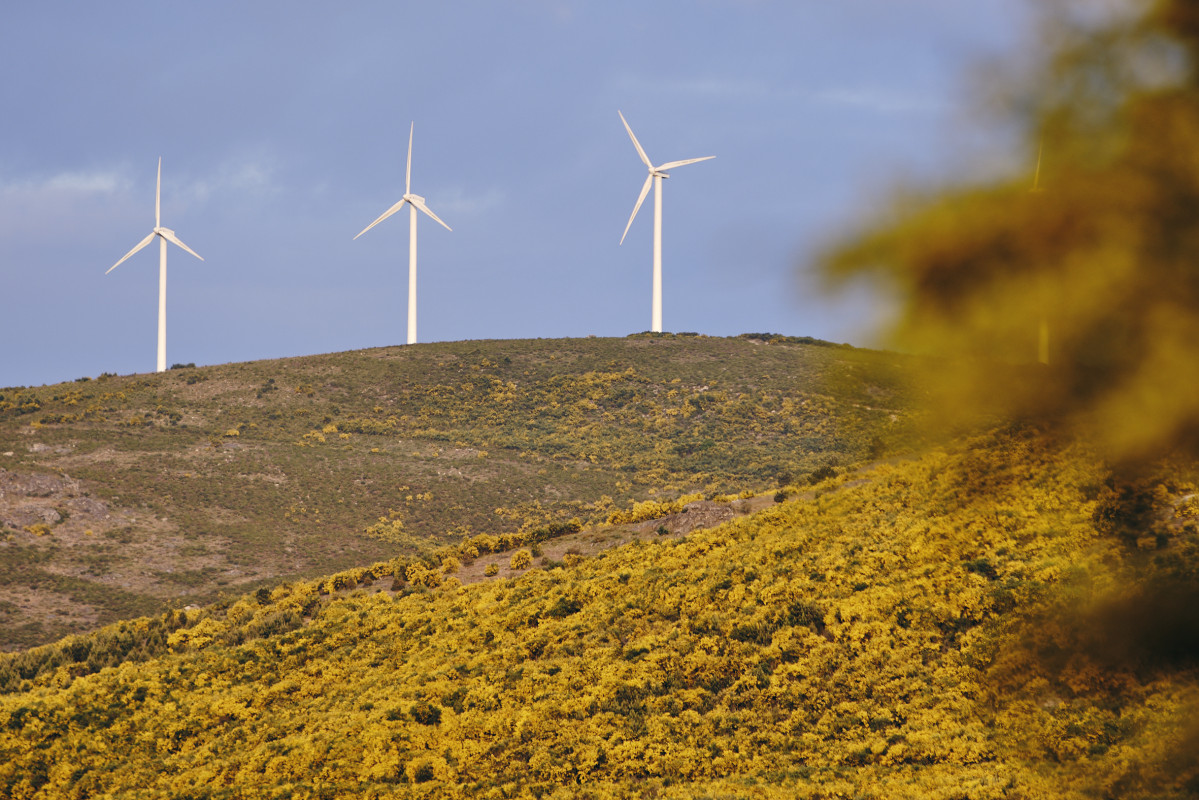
{"x":695,"y":516}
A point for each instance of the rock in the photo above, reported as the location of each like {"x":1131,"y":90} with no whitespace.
{"x":89,"y":506}
{"x":30,"y":515}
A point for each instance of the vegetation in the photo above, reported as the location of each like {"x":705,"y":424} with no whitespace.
{"x":188,"y":484}
{"x":894,"y":637}
{"x":1007,"y":615}
{"x":1088,"y":266}
{"x":1095,"y":272}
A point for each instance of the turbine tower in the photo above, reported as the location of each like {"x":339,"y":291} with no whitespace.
{"x":655,"y":177}
{"x":164,"y":235}
{"x":415,"y":201}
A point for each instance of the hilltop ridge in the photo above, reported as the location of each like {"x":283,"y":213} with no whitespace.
{"x":176,"y":487}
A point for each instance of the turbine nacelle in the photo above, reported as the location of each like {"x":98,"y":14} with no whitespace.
{"x":158,"y":230}
{"x":170,"y":236}
{"x":659,"y":171}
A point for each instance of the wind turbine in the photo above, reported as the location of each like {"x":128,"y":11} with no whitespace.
{"x":415,"y":201}
{"x":164,"y":235}
{"x":655,"y":177}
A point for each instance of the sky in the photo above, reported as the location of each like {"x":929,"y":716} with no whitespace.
{"x":283,"y":132}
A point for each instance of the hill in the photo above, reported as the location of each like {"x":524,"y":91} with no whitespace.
{"x":920,"y":630}
{"x":122,"y":496}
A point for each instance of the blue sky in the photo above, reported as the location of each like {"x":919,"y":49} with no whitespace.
{"x":283,"y":131}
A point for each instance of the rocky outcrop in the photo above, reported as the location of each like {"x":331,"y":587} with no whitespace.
{"x":39,"y":498}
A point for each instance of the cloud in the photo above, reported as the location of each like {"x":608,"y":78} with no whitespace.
{"x":65,"y":185}
{"x":33,"y":207}
{"x":718,"y":87}
{"x":877,"y":100}
{"x":456,"y":200}
{"x":246,"y":176}
{"x":881,"y":101}
{"x":704,"y":86}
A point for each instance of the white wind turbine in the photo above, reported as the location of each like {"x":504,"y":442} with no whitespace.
{"x":656,"y":174}
{"x":414,"y":201}
{"x":164,"y":235}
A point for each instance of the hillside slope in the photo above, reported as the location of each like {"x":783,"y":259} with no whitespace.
{"x":884,"y":639}
{"x":122,"y":496}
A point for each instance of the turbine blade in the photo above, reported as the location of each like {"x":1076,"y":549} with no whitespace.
{"x":684,"y":162}
{"x":383,"y":216}
{"x":408,"y":171}
{"x":420,"y":205}
{"x":158,"y":196}
{"x":649,"y":180}
{"x":173,"y":239}
{"x":139,"y":246}
{"x":636,"y":143}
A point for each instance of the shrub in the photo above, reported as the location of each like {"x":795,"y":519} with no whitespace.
{"x":983,"y":567}
{"x":824,"y":473}
{"x":521,"y":559}
{"x":492,"y":570}
{"x":421,"y":772}
{"x":370,"y":427}
{"x":389,"y":528}
{"x":450,"y":565}
{"x":342,"y":580}
{"x":426,"y":713}
{"x":484,"y":543}
{"x":564,"y":607}
{"x":651,"y":509}
{"x":420,"y":575}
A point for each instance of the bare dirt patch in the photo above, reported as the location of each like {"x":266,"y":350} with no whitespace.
{"x":65,"y":555}
{"x":700,"y":515}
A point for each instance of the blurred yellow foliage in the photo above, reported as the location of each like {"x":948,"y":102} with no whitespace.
{"x":1096,"y":272}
